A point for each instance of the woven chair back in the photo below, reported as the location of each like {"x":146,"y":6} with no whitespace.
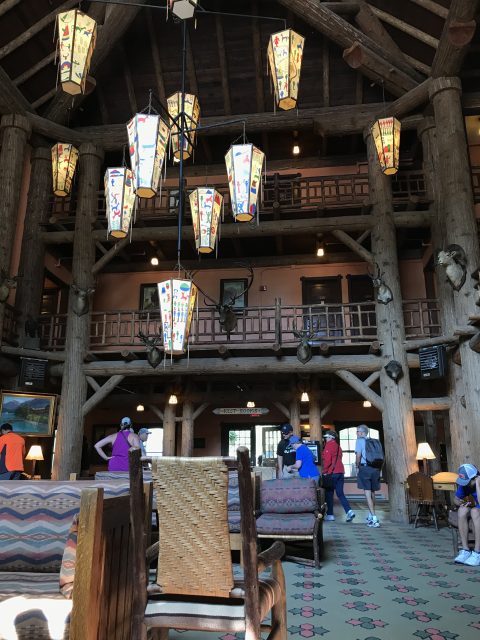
{"x":194,"y":544}
{"x":420,"y":487}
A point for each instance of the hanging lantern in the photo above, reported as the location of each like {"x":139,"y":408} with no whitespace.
{"x":64,"y":161}
{"x":120,"y":200}
{"x":244,"y":168}
{"x":205,"y":205}
{"x":386,"y":135}
{"x":77,"y":33}
{"x":183,"y":9}
{"x":192,"y":117}
{"x":285,"y":53}
{"x":147,"y":140}
{"x":177,"y":300}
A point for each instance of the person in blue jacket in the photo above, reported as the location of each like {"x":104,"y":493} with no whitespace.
{"x":304,"y":462}
{"x":466,"y":497}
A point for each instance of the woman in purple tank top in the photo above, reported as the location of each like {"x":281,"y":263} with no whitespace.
{"x":122,"y":442}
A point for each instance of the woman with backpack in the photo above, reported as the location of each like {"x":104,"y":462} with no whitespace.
{"x":333,"y":476}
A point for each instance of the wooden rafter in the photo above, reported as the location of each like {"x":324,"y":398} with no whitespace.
{"x":433,"y":7}
{"x":12,"y":99}
{"x":127,"y":74}
{"x":35,"y":69}
{"x":7,"y":5}
{"x":457,"y":34}
{"x":222,"y":60}
{"x":45,"y":98}
{"x":401,"y":25}
{"x":416,"y":64}
{"x":361,"y":388}
{"x":352,"y":244}
{"x":157,"y":65}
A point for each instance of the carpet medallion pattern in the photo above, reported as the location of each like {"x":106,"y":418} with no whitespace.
{"x":389,"y":583}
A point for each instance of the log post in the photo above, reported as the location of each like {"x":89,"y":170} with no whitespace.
{"x":398,"y":423}
{"x":459,"y":423}
{"x":68,"y":446}
{"x":431,"y":436}
{"x":295,"y":413}
{"x":28,"y":297}
{"x":187,"y":429}
{"x":460,"y":228}
{"x":314,"y":414}
{"x":15,"y":131}
{"x":169,"y":430}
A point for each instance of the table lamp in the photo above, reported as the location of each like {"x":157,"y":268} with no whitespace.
{"x":34,"y":453}
{"x":424,"y":452}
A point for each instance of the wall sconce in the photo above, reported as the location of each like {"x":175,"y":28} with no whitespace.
{"x":386,"y":136}
{"x":304,"y":397}
{"x":34,"y":453}
{"x":173,"y":399}
{"x":64,"y":161}
{"x":244,"y":164}
{"x":77,"y":34}
{"x":367,"y":404}
{"x":140,"y":408}
{"x":424,"y":452}
{"x":394,"y":370}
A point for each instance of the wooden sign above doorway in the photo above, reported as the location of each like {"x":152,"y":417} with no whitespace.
{"x":241,"y":411}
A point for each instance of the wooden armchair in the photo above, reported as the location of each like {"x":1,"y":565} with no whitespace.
{"x":421,"y":498}
{"x":195,"y":588}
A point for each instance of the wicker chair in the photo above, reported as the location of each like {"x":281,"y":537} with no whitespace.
{"x":195,"y":588}
{"x":421,"y":497}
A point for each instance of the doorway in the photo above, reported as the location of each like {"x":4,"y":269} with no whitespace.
{"x":363,"y":319}
{"x":322,"y":298}
{"x":260,"y":439}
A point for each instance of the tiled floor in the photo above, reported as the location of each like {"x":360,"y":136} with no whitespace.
{"x":389,"y":583}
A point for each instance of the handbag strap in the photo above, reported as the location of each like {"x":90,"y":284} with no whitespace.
{"x":336,"y":459}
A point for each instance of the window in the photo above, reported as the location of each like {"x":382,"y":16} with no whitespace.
{"x":348,"y":438}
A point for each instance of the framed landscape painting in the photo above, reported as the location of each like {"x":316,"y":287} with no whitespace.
{"x":30,"y":414}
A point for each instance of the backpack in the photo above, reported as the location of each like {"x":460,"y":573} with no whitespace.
{"x":374,"y":453}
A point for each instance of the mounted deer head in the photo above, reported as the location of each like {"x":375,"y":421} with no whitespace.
{"x":383,"y":293}
{"x":226,"y":314}
{"x":304,"y":350}
{"x":454,"y":260}
{"x":6,"y":283}
{"x":80,"y":299}
{"x":154,"y":355}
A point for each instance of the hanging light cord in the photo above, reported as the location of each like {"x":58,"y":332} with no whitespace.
{"x":182,"y":133}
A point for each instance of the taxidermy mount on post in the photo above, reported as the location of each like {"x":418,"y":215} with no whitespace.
{"x":383,"y":293}
{"x":304,"y":350}
{"x":154,"y":355}
{"x":454,"y":260}
{"x":80,"y":299}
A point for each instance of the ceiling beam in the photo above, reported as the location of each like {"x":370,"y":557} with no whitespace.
{"x":433,"y":7}
{"x":12,"y":99}
{"x":457,"y":34}
{"x":35,"y":69}
{"x":7,"y":5}
{"x":155,"y":50}
{"x":222,"y":60}
{"x":401,"y":25}
{"x":416,"y":64}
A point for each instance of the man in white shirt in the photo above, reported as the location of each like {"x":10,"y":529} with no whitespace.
{"x":368,"y":478}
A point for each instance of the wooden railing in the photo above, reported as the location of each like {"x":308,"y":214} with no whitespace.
{"x":353,"y":323}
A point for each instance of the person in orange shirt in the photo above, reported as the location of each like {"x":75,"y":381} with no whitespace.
{"x":12,"y":453}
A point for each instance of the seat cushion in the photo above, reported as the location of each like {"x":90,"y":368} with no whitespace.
{"x":219,"y":614}
{"x":288,"y":495}
{"x":27,"y":583}
{"x":69,"y":560}
{"x":234,"y":521}
{"x":286,"y":524}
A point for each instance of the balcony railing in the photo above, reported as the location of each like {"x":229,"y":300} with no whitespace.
{"x":340,"y":324}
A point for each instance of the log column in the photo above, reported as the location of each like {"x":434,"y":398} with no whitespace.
{"x":68,"y":449}
{"x":28,"y":297}
{"x":454,"y":176}
{"x":169,"y":430}
{"x":435,"y":191}
{"x":15,"y":131}
{"x":295,"y":413}
{"x":398,"y":423}
{"x":314,"y":417}
{"x":187,"y":429}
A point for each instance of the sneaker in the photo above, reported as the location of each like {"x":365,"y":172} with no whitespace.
{"x":330,"y":518}
{"x":369,"y":518}
{"x":350,"y":515}
{"x":473,"y":560}
{"x":374,"y":522}
{"x":463,"y":556}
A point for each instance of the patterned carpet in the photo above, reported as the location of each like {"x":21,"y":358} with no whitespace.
{"x":389,"y":583}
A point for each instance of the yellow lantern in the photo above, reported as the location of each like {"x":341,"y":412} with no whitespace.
{"x":64,"y":161}
{"x":77,"y":33}
{"x":183,"y":9}
{"x":192,"y":116}
{"x":244,"y":168}
{"x":205,"y":205}
{"x":386,"y":135}
{"x":285,"y":53}
{"x":177,"y":300}
{"x":120,"y":200}
{"x":147,"y":140}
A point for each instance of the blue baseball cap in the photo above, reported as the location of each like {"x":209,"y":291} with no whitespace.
{"x":466,"y":472}
{"x":295,"y":440}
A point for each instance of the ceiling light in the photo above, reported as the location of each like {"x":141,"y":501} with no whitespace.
{"x":320,"y":251}
{"x":304,"y":397}
{"x":140,"y":407}
{"x":154,"y":261}
{"x":296,"y":150}
{"x":173,"y":399}
{"x":367,"y":404}
{"x":250,"y":404}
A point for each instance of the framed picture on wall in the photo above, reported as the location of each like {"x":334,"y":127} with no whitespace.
{"x":30,"y":414}
{"x":233,"y":293}
{"x":149,"y":300}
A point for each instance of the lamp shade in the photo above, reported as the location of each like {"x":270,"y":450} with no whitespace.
{"x":285,"y":53}
{"x":191,"y":108}
{"x":305,"y":397}
{"x":177,"y":300}
{"x":64,"y":161}
{"x":424,"y":452}
{"x":205,"y":205}
{"x":147,"y":142}
{"x":386,"y":135}
{"x":34,"y":453}
{"x":244,"y":168}
{"x":183,"y":9}
{"x":173,"y":399}
{"x":120,"y":200}
{"x":77,"y":33}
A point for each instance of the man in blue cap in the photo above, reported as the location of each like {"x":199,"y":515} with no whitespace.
{"x":466,"y":497}
{"x":304,"y":462}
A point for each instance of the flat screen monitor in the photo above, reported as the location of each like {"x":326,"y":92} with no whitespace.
{"x":314,"y":447}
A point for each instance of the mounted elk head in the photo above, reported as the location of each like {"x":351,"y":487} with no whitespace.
{"x":226,"y":314}
{"x":454,"y":260}
{"x":383,"y":293}
{"x":154,"y":355}
{"x":6,"y":283}
{"x":304,"y":350}
{"x":80,"y":299}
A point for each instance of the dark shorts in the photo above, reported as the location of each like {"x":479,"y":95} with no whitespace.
{"x":368,"y":478}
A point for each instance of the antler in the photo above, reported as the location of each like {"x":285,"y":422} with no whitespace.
{"x":205,"y":295}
